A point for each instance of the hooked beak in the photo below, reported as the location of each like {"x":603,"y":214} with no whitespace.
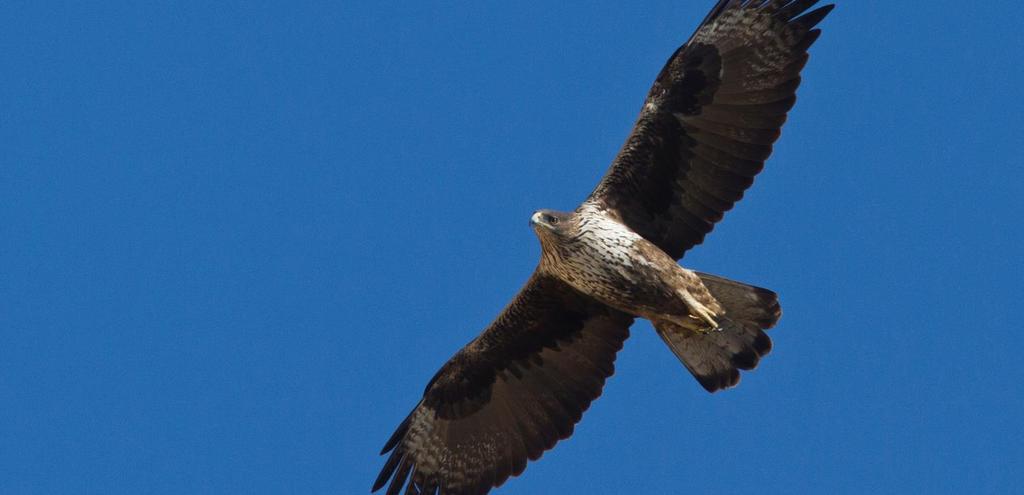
{"x":535,"y":219}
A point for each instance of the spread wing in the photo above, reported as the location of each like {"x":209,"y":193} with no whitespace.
{"x":710,"y":120}
{"x":509,"y":395}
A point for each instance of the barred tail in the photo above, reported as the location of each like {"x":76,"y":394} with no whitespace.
{"x":715,"y":358}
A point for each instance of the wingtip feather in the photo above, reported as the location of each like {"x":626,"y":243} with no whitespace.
{"x":386,"y":472}
{"x":793,"y":9}
{"x":397,"y":435}
{"x":812,"y":18}
{"x":400,"y":477}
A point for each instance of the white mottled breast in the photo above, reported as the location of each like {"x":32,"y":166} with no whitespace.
{"x":603,"y":259}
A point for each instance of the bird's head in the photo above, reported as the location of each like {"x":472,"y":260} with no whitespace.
{"x":550,"y":224}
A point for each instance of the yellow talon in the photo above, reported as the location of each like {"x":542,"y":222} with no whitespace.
{"x":700,"y":311}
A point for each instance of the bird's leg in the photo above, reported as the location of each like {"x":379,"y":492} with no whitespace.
{"x":699,"y":311}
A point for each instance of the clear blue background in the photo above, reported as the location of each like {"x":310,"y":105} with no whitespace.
{"x":237,"y":239}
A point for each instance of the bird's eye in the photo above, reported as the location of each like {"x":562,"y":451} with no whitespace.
{"x":552,"y":220}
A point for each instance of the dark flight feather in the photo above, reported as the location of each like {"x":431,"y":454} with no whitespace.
{"x":510,"y":394}
{"x":710,"y":120}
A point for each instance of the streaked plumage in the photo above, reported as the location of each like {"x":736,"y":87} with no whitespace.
{"x":704,"y":131}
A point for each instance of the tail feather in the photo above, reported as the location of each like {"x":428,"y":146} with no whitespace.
{"x":743,"y":302}
{"x":715,"y":358}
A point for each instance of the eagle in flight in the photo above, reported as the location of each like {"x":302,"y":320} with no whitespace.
{"x":705,"y":130}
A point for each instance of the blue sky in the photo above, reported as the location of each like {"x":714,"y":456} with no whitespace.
{"x":236,"y":240}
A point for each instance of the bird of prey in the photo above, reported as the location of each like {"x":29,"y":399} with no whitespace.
{"x":705,"y":130}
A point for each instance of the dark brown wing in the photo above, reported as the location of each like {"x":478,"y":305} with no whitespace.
{"x":509,"y":395}
{"x":710,"y":120}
